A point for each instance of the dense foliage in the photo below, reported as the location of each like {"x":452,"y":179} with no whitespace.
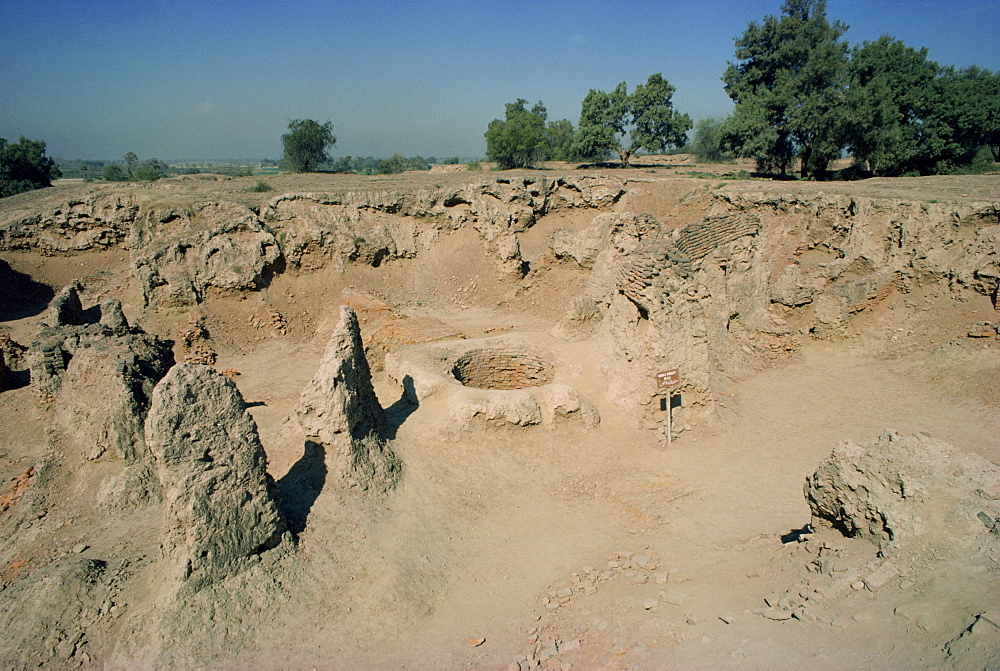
{"x":787,"y":89}
{"x":707,"y":144}
{"x":24,"y":166}
{"x":305,"y":145}
{"x":520,"y":139}
{"x":135,"y":171}
{"x":802,"y":94}
{"x":627,"y":124}
{"x":368,"y":165}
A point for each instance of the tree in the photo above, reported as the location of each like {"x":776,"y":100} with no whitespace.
{"x":560,"y":139}
{"x":888,"y":88}
{"x":646,"y":118}
{"x":25,"y":167}
{"x":306,"y":144}
{"x":149,"y":171}
{"x":130,"y":159}
{"x":114,"y":173}
{"x":394,"y":164}
{"x":520,"y":140}
{"x":707,"y":143}
{"x":788,"y":86}
{"x":962,"y":115}
{"x":343,"y":164}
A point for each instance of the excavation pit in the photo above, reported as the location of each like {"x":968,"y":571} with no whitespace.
{"x":502,"y":369}
{"x":500,"y":381}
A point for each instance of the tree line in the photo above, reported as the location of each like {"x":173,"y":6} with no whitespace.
{"x":618,"y":122}
{"x":802,"y":93}
{"x":802,"y":96}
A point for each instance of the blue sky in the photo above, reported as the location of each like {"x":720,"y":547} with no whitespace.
{"x":221,"y":79}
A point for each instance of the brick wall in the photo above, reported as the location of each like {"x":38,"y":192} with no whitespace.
{"x":502,"y":368}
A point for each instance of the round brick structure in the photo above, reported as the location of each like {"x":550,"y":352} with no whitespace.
{"x":500,"y":381}
{"x":502,"y":368}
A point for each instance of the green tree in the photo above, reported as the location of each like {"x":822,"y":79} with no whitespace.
{"x":149,"y":171}
{"x":520,"y":140}
{"x":114,"y":173}
{"x":130,"y":159}
{"x":888,"y":91}
{"x":560,"y":138}
{"x":627,"y":124}
{"x":343,"y":164}
{"x":788,"y":86}
{"x":305,"y":144}
{"x":394,"y":164}
{"x":25,"y":167}
{"x":707,"y":143}
{"x":962,"y":115}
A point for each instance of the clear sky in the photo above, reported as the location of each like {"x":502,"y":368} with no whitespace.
{"x":204,"y":79}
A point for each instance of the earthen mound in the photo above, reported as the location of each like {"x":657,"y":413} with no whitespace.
{"x":99,"y":378}
{"x":339,"y":410}
{"x":221,"y":508}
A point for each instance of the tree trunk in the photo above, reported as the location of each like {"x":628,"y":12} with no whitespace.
{"x":624,"y":155}
{"x":806,"y":155}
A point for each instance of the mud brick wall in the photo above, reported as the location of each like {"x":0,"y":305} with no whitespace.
{"x":698,"y":240}
{"x":503,"y":369}
{"x":694,"y":242}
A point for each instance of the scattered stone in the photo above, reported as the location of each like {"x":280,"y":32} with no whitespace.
{"x":983,"y":330}
{"x":773,"y":613}
{"x":475,"y":642}
{"x":804,"y":615}
{"x":569,"y":646}
{"x":880,"y":576}
{"x":650,"y":604}
{"x":80,"y":548}
{"x":548,"y":652}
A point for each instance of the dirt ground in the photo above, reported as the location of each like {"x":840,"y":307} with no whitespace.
{"x":499,"y":546}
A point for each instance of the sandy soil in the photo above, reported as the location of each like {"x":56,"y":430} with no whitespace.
{"x":482,"y":533}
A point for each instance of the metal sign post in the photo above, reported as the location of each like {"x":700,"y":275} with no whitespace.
{"x":668,"y":379}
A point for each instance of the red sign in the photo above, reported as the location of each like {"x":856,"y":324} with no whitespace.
{"x":668,"y":378}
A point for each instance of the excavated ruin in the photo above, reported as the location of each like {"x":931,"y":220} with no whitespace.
{"x":500,"y":368}
{"x":339,"y":410}
{"x":501,"y":381}
{"x":183,"y":499}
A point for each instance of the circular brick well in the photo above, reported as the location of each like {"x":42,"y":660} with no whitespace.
{"x":502,"y":368}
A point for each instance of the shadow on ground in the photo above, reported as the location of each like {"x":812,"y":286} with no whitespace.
{"x":20,"y":295}
{"x":302,"y":485}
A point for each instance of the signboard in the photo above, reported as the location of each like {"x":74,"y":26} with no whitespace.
{"x":668,"y":379}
